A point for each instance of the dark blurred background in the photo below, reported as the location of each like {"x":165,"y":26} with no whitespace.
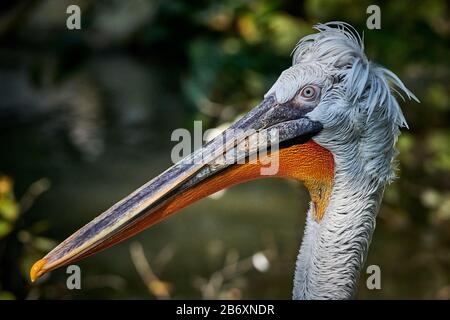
{"x":86,"y":117}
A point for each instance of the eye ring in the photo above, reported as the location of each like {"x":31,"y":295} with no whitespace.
{"x":309,"y":92}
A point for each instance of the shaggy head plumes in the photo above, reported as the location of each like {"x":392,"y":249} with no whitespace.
{"x":357,"y":107}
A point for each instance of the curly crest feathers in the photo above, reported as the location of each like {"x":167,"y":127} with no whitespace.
{"x":340,"y":49}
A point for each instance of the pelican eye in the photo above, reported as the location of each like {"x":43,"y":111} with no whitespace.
{"x":309,"y":92}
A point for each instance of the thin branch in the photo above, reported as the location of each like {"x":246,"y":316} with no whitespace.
{"x":156,"y":287}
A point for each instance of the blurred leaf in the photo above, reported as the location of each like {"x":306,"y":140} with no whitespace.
{"x":439,"y":144}
{"x":249,"y":29}
{"x":287,"y":31}
{"x":438,"y":96}
{"x":5,"y":185}
{"x":431,"y":198}
{"x":44,"y":244}
{"x":5,"y":228}
{"x":9,"y":210}
{"x":159,"y":288}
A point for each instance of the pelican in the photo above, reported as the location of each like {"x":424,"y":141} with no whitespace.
{"x":337,"y":121}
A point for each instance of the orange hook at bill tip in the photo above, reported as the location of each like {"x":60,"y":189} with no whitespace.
{"x":36,"y":270}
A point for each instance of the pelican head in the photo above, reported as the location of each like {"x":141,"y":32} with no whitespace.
{"x":336,"y":121}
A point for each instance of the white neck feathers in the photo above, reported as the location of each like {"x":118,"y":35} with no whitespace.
{"x":333,"y":250}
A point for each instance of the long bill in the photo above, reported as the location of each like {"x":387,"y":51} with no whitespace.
{"x":202,"y":173}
